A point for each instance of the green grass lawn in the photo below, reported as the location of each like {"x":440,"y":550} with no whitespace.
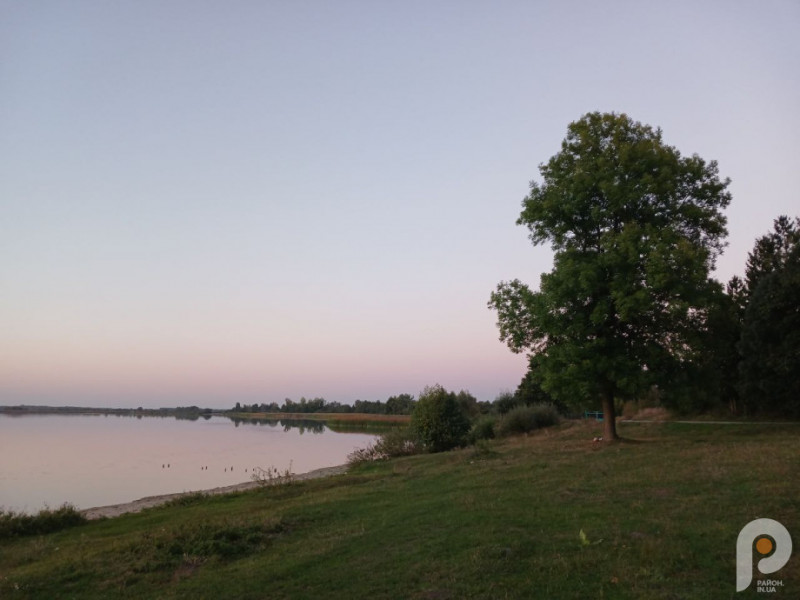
{"x":660,"y":512}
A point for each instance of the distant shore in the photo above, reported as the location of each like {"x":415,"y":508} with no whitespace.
{"x":115,"y":510}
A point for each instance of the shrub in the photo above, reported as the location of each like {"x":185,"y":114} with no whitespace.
{"x":518,"y":420}
{"x":528,"y":418}
{"x":13,"y":524}
{"x":399,"y":441}
{"x":468,"y":403}
{"x":362,"y":455}
{"x":505,"y":401}
{"x":482,"y":429}
{"x":546,"y":414}
{"x":438,"y":422}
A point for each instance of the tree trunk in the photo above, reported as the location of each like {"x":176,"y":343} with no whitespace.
{"x":609,"y":418}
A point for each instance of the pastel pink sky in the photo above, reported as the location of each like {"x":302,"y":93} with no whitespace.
{"x":205,"y":204}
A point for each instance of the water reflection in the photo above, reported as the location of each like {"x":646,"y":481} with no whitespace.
{"x":302,"y":425}
{"x":93,"y":460}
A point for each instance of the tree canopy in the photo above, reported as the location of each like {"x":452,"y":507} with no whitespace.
{"x":770,"y":339}
{"x":438,"y":420}
{"x":635,"y":228}
{"x":771,"y":251}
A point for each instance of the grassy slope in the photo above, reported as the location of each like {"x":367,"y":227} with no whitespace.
{"x":467,"y":524}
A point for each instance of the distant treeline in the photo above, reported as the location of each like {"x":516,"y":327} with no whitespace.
{"x":402,"y":404}
{"x":179,"y":412}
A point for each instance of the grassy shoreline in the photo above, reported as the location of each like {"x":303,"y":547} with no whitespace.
{"x":134,"y":506}
{"x":660,"y":515}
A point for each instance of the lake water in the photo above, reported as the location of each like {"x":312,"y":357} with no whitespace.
{"x":96,"y":460}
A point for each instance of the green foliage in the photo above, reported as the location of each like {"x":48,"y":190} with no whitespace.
{"x":483,"y":429}
{"x":305,"y":406}
{"x":524,"y":419}
{"x":362,"y":455}
{"x":770,"y":342}
{"x":725,"y":329}
{"x":13,"y":524}
{"x":528,"y":392}
{"x":468,"y":403}
{"x":636,"y":228}
{"x":771,"y":251}
{"x":438,"y":421}
{"x":505,"y":401}
{"x":530,"y":389}
{"x":749,"y":363}
{"x":402,"y":404}
{"x":398,"y":441}
{"x":396,"y":405}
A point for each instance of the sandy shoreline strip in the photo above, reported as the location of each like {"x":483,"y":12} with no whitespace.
{"x":116,"y":510}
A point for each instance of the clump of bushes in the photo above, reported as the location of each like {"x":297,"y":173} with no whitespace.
{"x":505,"y":402}
{"x":483,"y":429}
{"x":524,"y":419}
{"x":47,"y":520}
{"x":398,"y":441}
{"x":438,"y":422}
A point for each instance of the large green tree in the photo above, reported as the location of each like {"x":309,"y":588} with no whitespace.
{"x":635,"y":228}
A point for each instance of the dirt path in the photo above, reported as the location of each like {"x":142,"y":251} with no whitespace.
{"x":116,"y":510}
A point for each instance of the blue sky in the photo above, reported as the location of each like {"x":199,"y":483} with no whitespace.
{"x":207,"y":202}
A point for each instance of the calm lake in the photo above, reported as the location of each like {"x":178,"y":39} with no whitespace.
{"x":96,"y":460}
